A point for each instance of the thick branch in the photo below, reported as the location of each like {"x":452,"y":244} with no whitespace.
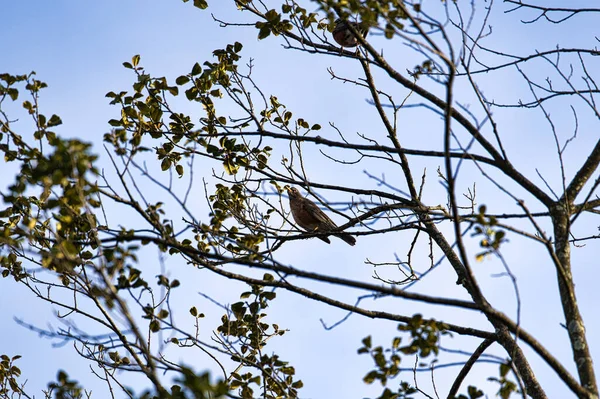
{"x":574,"y":321}
{"x":583,"y":174}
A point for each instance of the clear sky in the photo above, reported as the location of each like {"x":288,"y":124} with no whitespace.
{"x":78,"y":47}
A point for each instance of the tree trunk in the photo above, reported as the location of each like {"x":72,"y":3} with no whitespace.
{"x":573,"y":319}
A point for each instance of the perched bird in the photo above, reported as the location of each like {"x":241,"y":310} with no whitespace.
{"x":344,"y":36}
{"x":312,"y":219}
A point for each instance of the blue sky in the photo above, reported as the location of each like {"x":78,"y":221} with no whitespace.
{"x":78,"y":49}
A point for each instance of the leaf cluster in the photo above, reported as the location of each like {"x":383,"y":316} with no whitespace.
{"x":252,"y":333}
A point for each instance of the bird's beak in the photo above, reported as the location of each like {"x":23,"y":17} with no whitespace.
{"x":287,"y":188}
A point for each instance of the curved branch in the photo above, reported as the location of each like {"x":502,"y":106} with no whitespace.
{"x":468,"y":365}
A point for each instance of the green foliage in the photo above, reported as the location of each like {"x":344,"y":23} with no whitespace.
{"x":493,"y":237}
{"x":369,"y":13}
{"x":42,"y":123}
{"x":248,"y":328}
{"x":116,"y":359}
{"x":7,"y":83}
{"x":51,"y":199}
{"x":201,"y":4}
{"x":507,"y":387}
{"x":473,"y":393}
{"x":230,"y":202}
{"x":190,"y":385}
{"x":52,"y":206}
{"x":8,"y":377}
{"x":65,"y":388}
{"x":273,"y":24}
{"x":425,"y":68}
{"x":424,"y":337}
{"x":198,"y":386}
{"x":405,"y":391}
{"x":386,"y":366}
{"x":144,"y":111}
{"x":12,"y":266}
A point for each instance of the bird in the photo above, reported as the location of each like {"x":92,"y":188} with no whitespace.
{"x":344,"y":36}
{"x":312,"y":219}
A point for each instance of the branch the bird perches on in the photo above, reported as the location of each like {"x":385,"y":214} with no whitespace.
{"x":312,"y":219}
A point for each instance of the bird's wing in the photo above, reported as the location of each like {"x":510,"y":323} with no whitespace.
{"x":320,"y":218}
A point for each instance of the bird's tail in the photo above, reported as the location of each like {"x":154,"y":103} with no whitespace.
{"x":348,"y":239}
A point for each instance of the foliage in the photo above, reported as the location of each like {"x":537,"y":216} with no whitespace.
{"x":8,"y":376}
{"x":60,"y":239}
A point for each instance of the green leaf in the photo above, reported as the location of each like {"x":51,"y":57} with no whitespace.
{"x":272,"y":15}
{"x":370,"y":377}
{"x":504,"y":369}
{"x":135,"y":60}
{"x":173,"y":90}
{"x":230,"y":167}
{"x":13,"y":93}
{"x":196,"y":69}
{"x":269,"y":295}
{"x":238,"y":309}
{"x":473,"y":392}
{"x":154,"y":326}
{"x":367,"y":341}
{"x":182,"y":80}
{"x":264,"y":32}
{"x":54,"y":121}
{"x":201,"y":4}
